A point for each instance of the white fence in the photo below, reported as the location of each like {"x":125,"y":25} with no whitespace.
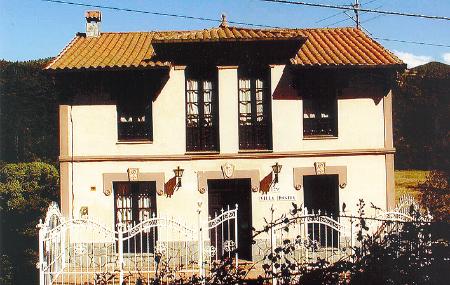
{"x":83,"y":251}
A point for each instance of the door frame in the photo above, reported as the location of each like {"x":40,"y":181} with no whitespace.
{"x":241,"y":208}
{"x":204,"y":176}
{"x":299,"y":172}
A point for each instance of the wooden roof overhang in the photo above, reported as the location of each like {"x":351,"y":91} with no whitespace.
{"x":227,"y":51}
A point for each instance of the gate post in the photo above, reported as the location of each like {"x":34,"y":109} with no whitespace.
{"x":120,"y":249}
{"x":200,"y":240}
{"x":41,"y":227}
{"x":273,"y":244}
{"x":236,"y":237}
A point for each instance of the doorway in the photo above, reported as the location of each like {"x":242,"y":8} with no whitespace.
{"x":229,"y":192}
{"x":135,"y":202}
{"x":322,"y":194}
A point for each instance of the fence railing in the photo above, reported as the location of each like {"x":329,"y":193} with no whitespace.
{"x":84,"y":251}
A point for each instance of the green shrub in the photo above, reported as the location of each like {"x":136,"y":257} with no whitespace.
{"x":26,"y":190}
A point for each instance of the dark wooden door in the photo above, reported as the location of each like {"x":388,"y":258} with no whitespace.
{"x":135,"y":202}
{"x":229,"y":192}
{"x":322,"y":193}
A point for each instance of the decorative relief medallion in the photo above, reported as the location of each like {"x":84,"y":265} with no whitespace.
{"x":298,"y":187}
{"x":319,"y":168}
{"x":227,"y":170}
{"x":255,"y":189}
{"x":202,"y":190}
{"x":107,"y":191}
{"x":133,"y":174}
{"x":160,"y":192}
{"x":84,"y":212}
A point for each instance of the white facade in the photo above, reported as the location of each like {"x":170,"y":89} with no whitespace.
{"x":362,"y":151}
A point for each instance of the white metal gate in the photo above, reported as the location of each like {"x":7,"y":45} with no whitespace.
{"x":84,"y":251}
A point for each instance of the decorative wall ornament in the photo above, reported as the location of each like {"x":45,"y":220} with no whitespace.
{"x":319,"y":167}
{"x":255,"y":189}
{"x":84,"y":212}
{"x":298,"y":187}
{"x":227,"y":170}
{"x":133,"y":174}
{"x":160,"y":192}
{"x":342,"y":186}
{"x":107,"y":191}
{"x":202,"y":190}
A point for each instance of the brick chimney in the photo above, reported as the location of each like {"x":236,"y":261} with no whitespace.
{"x":93,"y":20}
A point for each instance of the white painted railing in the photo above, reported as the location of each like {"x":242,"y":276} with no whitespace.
{"x":84,"y":251}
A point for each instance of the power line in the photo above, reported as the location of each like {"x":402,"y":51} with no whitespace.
{"x":360,"y":9}
{"x":412,"y":42}
{"x":215,"y":20}
{"x":339,"y":13}
{"x":156,"y":13}
{"x":351,"y":18}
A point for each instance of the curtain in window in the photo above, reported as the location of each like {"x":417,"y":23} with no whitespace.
{"x":207,"y":102}
{"x":245,"y":102}
{"x":259,"y":93}
{"x":192,"y":103}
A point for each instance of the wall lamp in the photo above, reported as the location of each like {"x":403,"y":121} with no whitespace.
{"x":276,"y":168}
{"x":178,"y":174}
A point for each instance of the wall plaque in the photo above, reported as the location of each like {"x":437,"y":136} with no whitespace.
{"x":319,"y":167}
{"x":227,"y":170}
{"x":133,"y":174}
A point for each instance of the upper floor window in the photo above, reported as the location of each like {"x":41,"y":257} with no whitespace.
{"x":201,"y":110}
{"x":320,"y":112}
{"x":255,"y":132}
{"x":134,"y":116}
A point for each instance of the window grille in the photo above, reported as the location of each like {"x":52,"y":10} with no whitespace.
{"x":254,"y":111}
{"x":201,"y":113}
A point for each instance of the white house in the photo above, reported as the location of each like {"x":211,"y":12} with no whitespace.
{"x":156,"y":122}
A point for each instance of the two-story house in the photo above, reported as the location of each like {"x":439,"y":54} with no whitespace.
{"x":167,"y":121}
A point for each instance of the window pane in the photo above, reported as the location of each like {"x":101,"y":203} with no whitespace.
{"x":319,"y":113}
{"x":254,"y":110}
{"x":201,"y":111}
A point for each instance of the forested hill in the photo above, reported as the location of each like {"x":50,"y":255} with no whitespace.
{"x":28,"y":112}
{"x":422,"y":117}
{"x":29,"y":115}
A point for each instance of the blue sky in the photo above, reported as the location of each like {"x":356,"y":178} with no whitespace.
{"x":32,"y":29}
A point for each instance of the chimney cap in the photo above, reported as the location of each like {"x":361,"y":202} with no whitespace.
{"x":223,"y":22}
{"x":93,"y":15}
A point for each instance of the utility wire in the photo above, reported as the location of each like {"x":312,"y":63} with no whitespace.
{"x":351,"y":18}
{"x":215,"y":20}
{"x":339,"y":13}
{"x":412,"y":42}
{"x":360,"y":9}
{"x":156,"y":13}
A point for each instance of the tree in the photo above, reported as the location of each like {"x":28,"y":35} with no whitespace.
{"x":435,"y":195}
{"x":28,"y":112}
{"x":26,"y":190}
{"x":421,"y":117}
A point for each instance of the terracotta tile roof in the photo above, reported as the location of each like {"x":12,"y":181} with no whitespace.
{"x":225,"y":33}
{"x":342,"y":47}
{"x":323,"y":47}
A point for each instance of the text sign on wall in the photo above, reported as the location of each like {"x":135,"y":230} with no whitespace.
{"x":273,"y":198}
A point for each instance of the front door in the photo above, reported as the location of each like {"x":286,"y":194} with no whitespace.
{"x":322,"y":194}
{"x":229,"y":192}
{"x":135,"y":202}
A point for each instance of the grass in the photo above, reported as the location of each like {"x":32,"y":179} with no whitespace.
{"x":406,"y":182}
